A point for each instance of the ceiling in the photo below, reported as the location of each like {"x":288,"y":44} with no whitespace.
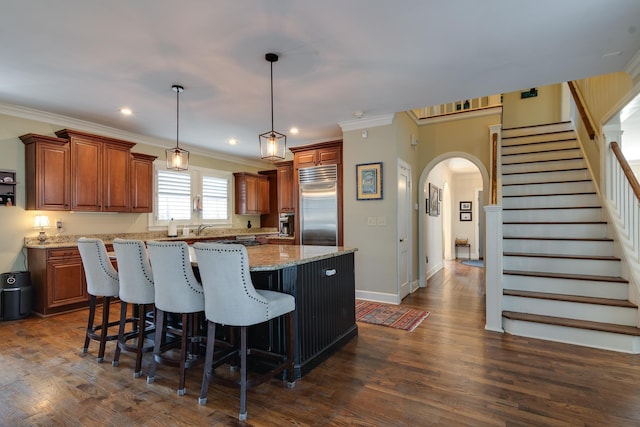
{"x":87,"y":59}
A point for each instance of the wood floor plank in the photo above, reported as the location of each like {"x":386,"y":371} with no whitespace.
{"x":449,"y":371}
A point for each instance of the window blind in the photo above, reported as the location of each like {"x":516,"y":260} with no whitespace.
{"x":214,"y":198}
{"x":174,"y":196}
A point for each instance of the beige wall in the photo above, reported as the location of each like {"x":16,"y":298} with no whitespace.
{"x":17,"y":223}
{"x":544,"y":108}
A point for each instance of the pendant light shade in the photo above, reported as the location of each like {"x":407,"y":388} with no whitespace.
{"x":273,"y":145}
{"x":177,"y":158}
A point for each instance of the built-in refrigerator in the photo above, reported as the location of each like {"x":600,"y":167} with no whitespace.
{"x":318,"y":207}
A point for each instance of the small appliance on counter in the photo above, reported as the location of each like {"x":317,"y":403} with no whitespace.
{"x":286,"y":225}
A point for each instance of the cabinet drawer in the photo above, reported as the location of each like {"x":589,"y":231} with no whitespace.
{"x":62,"y":253}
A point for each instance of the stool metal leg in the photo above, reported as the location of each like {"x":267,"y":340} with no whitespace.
{"x":92,"y":315}
{"x":243,"y":374}
{"x":159,"y":341}
{"x":105,"y":326}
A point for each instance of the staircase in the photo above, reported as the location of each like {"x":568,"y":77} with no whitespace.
{"x":561,"y":279}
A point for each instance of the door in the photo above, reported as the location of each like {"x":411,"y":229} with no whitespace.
{"x":404,"y":225}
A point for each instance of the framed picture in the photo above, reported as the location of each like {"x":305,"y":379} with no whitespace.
{"x":426,"y":206}
{"x":369,"y":181}
{"x":439,"y":194}
{"x":465,"y":206}
{"x":465,"y":216}
{"x":433,"y":200}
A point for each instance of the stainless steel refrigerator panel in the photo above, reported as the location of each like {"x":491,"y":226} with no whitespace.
{"x":319,"y":214}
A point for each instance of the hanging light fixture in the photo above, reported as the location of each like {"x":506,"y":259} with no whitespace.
{"x":272,"y":144}
{"x":177,"y":158}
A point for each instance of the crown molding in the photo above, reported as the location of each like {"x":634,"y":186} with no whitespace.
{"x":633,"y":67}
{"x":369,"y":122}
{"x":85,"y":126}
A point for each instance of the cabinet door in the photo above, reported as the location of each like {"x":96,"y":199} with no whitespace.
{"x":86,"y":175}
{"x":141,"y":183}
{"x":52,"y":177}
{"x":285,"y":189}
{"x":305,"y":159}
{"x":252,"y":194}
{"x":263,"y":196}
{"x":116,"y":180}
{"x":66,"y":283}
{"x":329,"y":156}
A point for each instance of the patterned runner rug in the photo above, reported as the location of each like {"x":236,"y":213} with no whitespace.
{"x":393,"y":316}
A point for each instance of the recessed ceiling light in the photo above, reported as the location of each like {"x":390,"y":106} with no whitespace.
{"x":293,"y":130}
{"x":126,"y":111}
{"x":232,"y":141}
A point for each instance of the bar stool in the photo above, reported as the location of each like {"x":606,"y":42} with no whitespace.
{"x":136,"y":288}
{"x":177,"y":291}
{"x":231,"y":299}
{"x":102,"y":281}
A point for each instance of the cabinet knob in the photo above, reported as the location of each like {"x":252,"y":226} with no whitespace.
{"x":330,"y":272}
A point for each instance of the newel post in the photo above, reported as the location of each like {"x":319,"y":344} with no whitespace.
{"x":493,"y":268}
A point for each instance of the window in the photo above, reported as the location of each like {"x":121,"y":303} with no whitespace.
{"x":197,"y":196}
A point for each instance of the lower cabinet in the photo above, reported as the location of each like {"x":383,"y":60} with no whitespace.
{"x":58,"y":280}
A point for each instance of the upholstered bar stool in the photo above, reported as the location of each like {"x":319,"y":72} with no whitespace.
{"x":102,"y":281}
{"x":231,"y":299}
{"x":177,"y":291}
{"x":137,"y":290}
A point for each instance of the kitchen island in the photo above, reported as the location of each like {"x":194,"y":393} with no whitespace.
{"x":322,"y":281}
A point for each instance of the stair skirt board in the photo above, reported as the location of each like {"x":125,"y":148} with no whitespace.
{"x":548,"y":166}
{"x":542,"y":156}
{"x":572,"y":310}
{"x":561,"y":247}
{"x":557,"y":230}
{"x":528,"y":177}
{"x":584,"y":288}
{"x":583,"y":337}
{"x":589,"y":266}
{"x":540,"y":146}
{"x":562,"y":187}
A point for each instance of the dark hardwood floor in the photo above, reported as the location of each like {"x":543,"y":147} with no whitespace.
{"x":449,"y":371}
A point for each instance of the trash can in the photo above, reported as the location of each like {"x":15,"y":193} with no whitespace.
{"x":16,"y":295}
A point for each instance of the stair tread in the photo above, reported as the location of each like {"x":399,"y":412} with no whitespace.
{"x":570,"y":298}
{"x":583,"y":193}
{"x":544,"y":161}
{"x":533,"y":153}
{"x":578,"y":239}
{"x":554,"y":222}
{"x":547,"y":182}
{"x":545,"y":171}
{"x":539,"y":255}
{"x":573,"y":323}
{"x":566,"y":276}
{"x":554,"y":207}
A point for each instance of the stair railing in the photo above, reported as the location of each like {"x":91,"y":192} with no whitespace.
{"x":582,"y":110}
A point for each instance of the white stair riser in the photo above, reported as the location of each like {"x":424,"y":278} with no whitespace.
{"x":590,"y":267}
{"x":541,"y":157}
{"x":554,"y":165}
{"x":585,"y":288}
{"x":548,"y":188}
{"x":559,"y":231}
{"x":522,"y":178}
{"x":560,"y":247}
{"x":571,"y":310}
{"x":583,"y":337}
{"x":555,"y":131}
{"x":552,"y":215}
{"x":561,"y":201}
{"x":540,"y":146}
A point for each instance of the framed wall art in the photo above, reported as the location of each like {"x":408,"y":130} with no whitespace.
{"x":465,"y":216}
{"x":369,"y":181}
{"x":465,"y":206}
{"x":433,"y":200}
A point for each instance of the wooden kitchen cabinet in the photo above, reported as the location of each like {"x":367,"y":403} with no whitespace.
{"x":47,"y":172}
{"x":100,"y":172}
{"x":271,"y":219}
{"x":141,"y":182}
{"x":326,"y":153}
{"x":58,"y":280}
{"x":285,"y":185}
{"x":251,"y":193}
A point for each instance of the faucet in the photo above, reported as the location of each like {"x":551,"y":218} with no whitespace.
{"x":202,"y":227}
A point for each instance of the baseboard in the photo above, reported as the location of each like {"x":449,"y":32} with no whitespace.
{"x":377,"y":297}
{"x":434,"y":270}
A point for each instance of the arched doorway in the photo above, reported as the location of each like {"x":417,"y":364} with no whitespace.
{"x":436,"y":233}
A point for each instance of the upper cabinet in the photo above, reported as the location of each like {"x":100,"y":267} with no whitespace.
{"x":47,"y":172}
{"x":326,"y":153}
{"x":84,"y":172}
{"x":100,"y":172}
{"x":251,"y":193}
{"x":285,"y":187}
{"x":142,"y":182}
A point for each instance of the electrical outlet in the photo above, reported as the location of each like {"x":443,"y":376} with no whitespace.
{"x":382,"y":221}
{"x":371,"y":221}
{"x":59,"y":224}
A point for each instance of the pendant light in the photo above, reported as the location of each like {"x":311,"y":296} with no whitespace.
{"x":272,"y":144}
{"x":177,"y":158}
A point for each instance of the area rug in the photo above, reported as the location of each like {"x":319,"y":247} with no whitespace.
{"x":474,"y":263}
{"x":393,"y":316}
